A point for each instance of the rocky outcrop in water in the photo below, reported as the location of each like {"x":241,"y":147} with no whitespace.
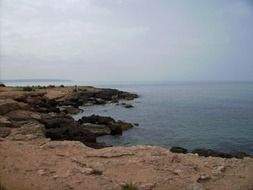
{"x":210,"y":152}
{"x":104,"y":125}
{"x":52,"y":108}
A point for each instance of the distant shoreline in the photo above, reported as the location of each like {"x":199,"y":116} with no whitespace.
{"x":34,"y":80}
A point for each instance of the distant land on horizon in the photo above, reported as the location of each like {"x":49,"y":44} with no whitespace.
{"x":36,"y":80}
{"x":121,"y":82}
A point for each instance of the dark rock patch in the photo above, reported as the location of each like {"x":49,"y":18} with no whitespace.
{"x":177,"y":149}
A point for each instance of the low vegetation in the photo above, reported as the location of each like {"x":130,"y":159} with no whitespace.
{"x":51,"y":86}
{"x":129,"y":186}
{"x":27,"y":88}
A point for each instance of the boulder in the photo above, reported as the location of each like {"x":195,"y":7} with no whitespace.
{"x":96,"y":129}
{"x":76,"y":133}
{"x":96,"y":119}
{"x":7,"y":105}
{"x":66,"y":128}
{"x":57,"y":121}
{"x":128,"y":106}
{"x":124,"y":125}
{"x":115,"y":129}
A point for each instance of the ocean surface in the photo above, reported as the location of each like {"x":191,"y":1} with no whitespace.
{"x":216,"y":115}
{"x":192,"y":115}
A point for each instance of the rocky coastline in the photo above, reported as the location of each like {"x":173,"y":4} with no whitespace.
{"x":53,"y":108}
{"x":40,"y":119}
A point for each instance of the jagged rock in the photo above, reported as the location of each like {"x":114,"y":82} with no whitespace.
{"x":177,"y":149}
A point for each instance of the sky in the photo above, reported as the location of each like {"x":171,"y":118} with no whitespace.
{"x":127,"y":40}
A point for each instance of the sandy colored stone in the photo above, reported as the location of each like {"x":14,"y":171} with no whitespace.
{"x":65,"y":164}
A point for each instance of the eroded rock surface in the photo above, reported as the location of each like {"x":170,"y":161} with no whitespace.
{"x":44,"y":164}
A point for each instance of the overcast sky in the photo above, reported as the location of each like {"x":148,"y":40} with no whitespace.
{"x":127,"y":40}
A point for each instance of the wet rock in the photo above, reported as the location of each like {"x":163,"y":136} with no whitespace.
{"x":213,"y":153}
{"x":70,"y":110}
{"x":128,"y":106}
{"x":177,"y":149}
{"x":96,"y":129}
{"x":99,"y":101}
{"x":124,"y":125}
{"x":96,"y":119}
{"x":115,"y":129}
{"x":240,"y":155}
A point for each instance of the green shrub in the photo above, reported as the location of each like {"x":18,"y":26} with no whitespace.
{"x":2,"y":85}
{"x":129,"y":186}
{"x":27,"y":88}
{"x":51,"y":86}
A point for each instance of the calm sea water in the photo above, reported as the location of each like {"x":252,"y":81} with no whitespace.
{"x":191,"y":115}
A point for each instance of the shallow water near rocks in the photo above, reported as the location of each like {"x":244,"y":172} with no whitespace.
{"x":192,"y":115}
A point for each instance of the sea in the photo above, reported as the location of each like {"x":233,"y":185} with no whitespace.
{"x":215,"y":115}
